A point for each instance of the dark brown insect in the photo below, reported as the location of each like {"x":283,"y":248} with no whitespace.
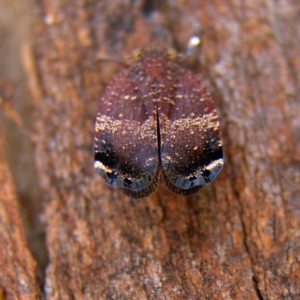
{"x":157,"y":118}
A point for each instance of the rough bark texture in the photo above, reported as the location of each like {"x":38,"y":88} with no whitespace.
{"x":239,"y":237}
{"x":17,"y":267}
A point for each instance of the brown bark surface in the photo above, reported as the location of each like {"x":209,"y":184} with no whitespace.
{"x":237,"y":238}
{"x":17,"y":267}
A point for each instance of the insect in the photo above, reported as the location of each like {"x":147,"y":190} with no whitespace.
{"x":157,"y":119}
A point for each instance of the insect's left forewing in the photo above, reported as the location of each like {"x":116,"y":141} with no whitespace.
{"x":125,"y":143}
{"x":191,"y":147}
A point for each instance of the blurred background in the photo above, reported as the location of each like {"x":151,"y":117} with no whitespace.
{"x":16,"y":128}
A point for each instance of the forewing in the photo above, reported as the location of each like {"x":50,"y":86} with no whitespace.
{"x":190,"y":140}
{"x":125,"y":145}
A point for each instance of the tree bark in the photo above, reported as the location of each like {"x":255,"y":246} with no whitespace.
{"x":237,"y":238}
{"x":17,"y":266}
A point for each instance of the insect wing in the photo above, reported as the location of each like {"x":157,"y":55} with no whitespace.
{"x":190,"y":139}
{"x":125,"y":145}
